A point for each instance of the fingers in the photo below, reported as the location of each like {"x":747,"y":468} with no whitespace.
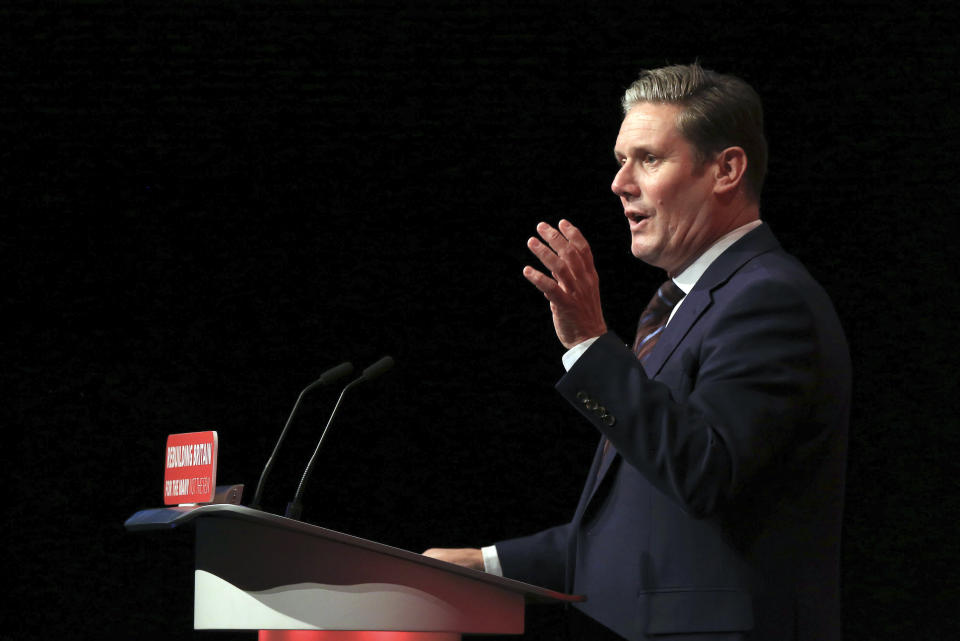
{"x":578,"y":242}
{"x":567,"y":239}
{"x":544,"y":283}
{"x":575,"y":237}
{"x":548,"y":256}
{"x":566,"y":254}
{"x":559,"y":245}
{"x":467,"y":557}
{"x":555,"y":254}
{"x":554,"y":238}
{"x":573,"y":291}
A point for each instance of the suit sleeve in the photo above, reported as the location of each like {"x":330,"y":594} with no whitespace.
{"x":538,"y":559}
{"x":735,"y":398}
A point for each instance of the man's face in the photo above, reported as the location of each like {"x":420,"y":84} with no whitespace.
{"x":667,"y":195}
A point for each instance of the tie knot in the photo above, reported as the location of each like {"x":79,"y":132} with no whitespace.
{"x":663,"y":301}
{"x":670,"y":294}
{"x":655,"y":316}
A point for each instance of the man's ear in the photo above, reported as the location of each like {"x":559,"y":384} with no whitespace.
{"x":730,"y":166}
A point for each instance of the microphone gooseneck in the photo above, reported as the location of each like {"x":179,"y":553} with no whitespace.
{"x":295,"y":507}
{"x":331,"y":375}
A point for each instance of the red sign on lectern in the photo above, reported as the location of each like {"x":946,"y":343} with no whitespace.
{"x":191,"y":468}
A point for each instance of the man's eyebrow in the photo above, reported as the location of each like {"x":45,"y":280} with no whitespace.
{"x":630,"y":151}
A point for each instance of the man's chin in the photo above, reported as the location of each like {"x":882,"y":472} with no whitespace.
{"x":650,"y":256}
{"x":644,"y":253}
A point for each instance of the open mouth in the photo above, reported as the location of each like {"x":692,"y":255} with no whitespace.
{"x":637,"y":217}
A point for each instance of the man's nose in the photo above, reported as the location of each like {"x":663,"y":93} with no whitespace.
{"x":622,"y":184}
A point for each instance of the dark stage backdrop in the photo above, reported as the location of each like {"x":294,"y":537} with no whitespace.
{"x":206,"y":204}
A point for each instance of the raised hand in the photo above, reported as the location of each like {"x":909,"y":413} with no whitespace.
{"x":573,"y":290}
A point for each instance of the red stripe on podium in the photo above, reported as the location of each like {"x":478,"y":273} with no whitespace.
{"x":354,"y":635}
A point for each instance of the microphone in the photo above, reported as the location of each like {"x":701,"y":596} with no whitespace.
{"x":295,"y":507}
{"x":331,"y":375}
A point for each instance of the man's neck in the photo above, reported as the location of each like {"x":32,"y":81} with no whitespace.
{"x":736,"y":217}
{"x":688,"y":277}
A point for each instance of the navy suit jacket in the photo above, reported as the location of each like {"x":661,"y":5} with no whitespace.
{"x":716,"y":513}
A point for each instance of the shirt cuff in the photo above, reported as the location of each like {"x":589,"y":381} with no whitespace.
{"x":576,"y":352}
{"x":491,"y":561}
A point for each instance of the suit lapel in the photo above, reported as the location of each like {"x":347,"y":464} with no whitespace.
{"x":700,"y":298}
{"x":695,"y":303}
{"x":691,"y":309}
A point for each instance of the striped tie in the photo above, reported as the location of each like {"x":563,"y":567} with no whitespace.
{"x":652,"y":321}
{"x":654,"y":318}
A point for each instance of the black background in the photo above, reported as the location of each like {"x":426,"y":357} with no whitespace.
{"x":207,"y":204}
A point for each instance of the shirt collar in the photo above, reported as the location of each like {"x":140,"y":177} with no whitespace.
{"x":686,"y":279}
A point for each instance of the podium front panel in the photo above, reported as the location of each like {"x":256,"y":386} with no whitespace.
{"x":250,"y":575}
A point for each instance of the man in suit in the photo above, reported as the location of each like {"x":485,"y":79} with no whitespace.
{"x":713,"y":506}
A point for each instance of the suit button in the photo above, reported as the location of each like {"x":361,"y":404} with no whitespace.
{"x":591,"y":404}
{"x":583,"y":396}
{"x":608,"y":420}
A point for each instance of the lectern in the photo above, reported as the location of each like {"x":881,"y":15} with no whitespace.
{"x":260,"y":571}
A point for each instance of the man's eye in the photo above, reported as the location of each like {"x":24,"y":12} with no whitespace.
{"x":650,"y":159}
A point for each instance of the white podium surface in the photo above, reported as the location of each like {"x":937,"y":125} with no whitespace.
{"x":260,"y":571}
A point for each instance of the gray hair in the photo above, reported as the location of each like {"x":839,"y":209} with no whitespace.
{"x":718,"y":111}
